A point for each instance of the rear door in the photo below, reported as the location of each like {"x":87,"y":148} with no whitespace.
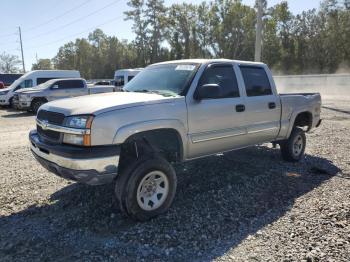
{"x":217,"y":124}
{"x":263,"y":107}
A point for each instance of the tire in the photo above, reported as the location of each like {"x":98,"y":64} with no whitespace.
{"x":11,"y":102}
{"x":293,"y":148}
{"x":146,"y":179}
{"x":36,"y":104}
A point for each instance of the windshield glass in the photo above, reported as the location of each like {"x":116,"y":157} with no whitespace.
{"x":165,"y":79}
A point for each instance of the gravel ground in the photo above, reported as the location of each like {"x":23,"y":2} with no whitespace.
{"x":227,"y":208}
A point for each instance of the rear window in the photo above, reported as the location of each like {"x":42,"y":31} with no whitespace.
{"x":256,"y":81}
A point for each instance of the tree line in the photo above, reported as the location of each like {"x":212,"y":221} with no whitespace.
{"x":315,"y":41}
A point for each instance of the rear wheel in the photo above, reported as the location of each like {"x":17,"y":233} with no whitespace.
{"x":293,"y":148}
{"x":146,"y":188}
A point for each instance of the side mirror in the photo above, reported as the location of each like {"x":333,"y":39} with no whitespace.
{"x":54,"y":87}
{"x":207,"y":91}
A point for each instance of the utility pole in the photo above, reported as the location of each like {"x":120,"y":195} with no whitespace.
{"x":258,"y":31}
{"x":20,"y":39}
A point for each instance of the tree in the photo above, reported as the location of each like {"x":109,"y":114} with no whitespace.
{"x":9,"y":63}
{"x":42,"y":64}
{"x":141,"y":42}
{"x":156,"y":21}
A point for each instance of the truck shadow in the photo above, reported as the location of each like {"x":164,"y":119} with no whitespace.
{"x":12,"y":113}
{"x":220,"y":201}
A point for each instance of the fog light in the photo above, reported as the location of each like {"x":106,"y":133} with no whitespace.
{"x":73,"y":139}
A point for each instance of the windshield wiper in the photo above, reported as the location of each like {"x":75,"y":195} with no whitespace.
{"x":158,"y":92}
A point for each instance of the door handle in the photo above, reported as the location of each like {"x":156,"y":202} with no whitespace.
{"x":272,"y":105}
{"x":240,"y":108}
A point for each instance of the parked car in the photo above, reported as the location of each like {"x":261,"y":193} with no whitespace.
{"x":171,"y":111}
{"x":31,"y":99}
{"x":32,"y":79}
{"x":8,"y":79}
{"x":123,"y":76}
{"x":2,"y":85}
{"x":102,"y":83}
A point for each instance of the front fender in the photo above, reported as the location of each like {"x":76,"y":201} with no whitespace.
{"x":124,"y":132}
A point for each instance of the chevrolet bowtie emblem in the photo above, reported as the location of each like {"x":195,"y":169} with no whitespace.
{"x":44,"y":124}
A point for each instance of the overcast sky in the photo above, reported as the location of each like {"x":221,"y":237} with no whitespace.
{"x":48,"y":24}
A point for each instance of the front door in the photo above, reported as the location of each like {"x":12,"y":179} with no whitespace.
{"x":217,"y":124}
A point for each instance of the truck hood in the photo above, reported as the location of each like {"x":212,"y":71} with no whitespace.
{"x":101,"y":103}
{"x":30,"y":90}
{"x":5,"y":89}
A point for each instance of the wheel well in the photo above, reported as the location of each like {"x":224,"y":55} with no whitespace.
{"x":166,"y":142}
{"x":303,"y":119}
{"x":39,"y":99}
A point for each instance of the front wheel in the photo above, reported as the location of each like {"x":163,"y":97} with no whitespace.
{"x":146,"y":188}
{"x":293,"y":148}
{"x":36,"y":104}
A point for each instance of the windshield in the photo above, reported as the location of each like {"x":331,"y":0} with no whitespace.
{"x":165,"y":79}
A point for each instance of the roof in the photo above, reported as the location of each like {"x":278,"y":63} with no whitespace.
{"x":206,"y":61}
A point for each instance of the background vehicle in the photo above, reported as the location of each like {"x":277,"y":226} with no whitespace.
{"x":8,"y":79}
{"x":2,"y":85}
{"x":32,"y":98}
{"x":123,"y":76}
{"x":172,"y":111}
{"x":102,"y":83}
{"x":32,"y":79}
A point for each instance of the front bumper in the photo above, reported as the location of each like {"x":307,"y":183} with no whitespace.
{"x":89,"y":165}
{"x":22,"y":105}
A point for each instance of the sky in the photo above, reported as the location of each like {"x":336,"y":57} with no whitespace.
{"x":48,"y":24}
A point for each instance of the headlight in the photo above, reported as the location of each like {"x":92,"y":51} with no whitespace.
{"x":80,"y":122}
{"x":2,"y":93}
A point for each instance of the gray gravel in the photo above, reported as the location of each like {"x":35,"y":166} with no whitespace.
{"x":246,"y":205}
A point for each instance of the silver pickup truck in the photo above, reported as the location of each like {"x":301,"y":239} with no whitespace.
{"x":31,"y":99}
{"x":171,"y":111}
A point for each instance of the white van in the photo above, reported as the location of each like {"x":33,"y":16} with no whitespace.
{"x":32,"y":79}
{"x":123,"y":76}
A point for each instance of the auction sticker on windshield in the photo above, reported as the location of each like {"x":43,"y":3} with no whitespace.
{"x":185,"y":67}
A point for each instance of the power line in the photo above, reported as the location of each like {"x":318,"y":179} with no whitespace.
{"x":74,"y":21}
{"x":57,"y":17}
{"x":7,"y":35}
{"x":50,"y":20}
{"x":76,"y":34}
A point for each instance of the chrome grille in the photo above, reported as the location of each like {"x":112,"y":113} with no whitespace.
{"x":52,"y":118}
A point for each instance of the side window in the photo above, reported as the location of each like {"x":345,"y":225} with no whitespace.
{"x":130,"y":77}
{"x":28,"y":83}
{"x":61,"y":84}
{"x":25,"y":84}
{"x":256,"y":81}
{"x":224,"y":76}
{"x":42,"y":80}
{"x":76,"y":84}
{"x":119,"y":81}
{"x":69,"y":84}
